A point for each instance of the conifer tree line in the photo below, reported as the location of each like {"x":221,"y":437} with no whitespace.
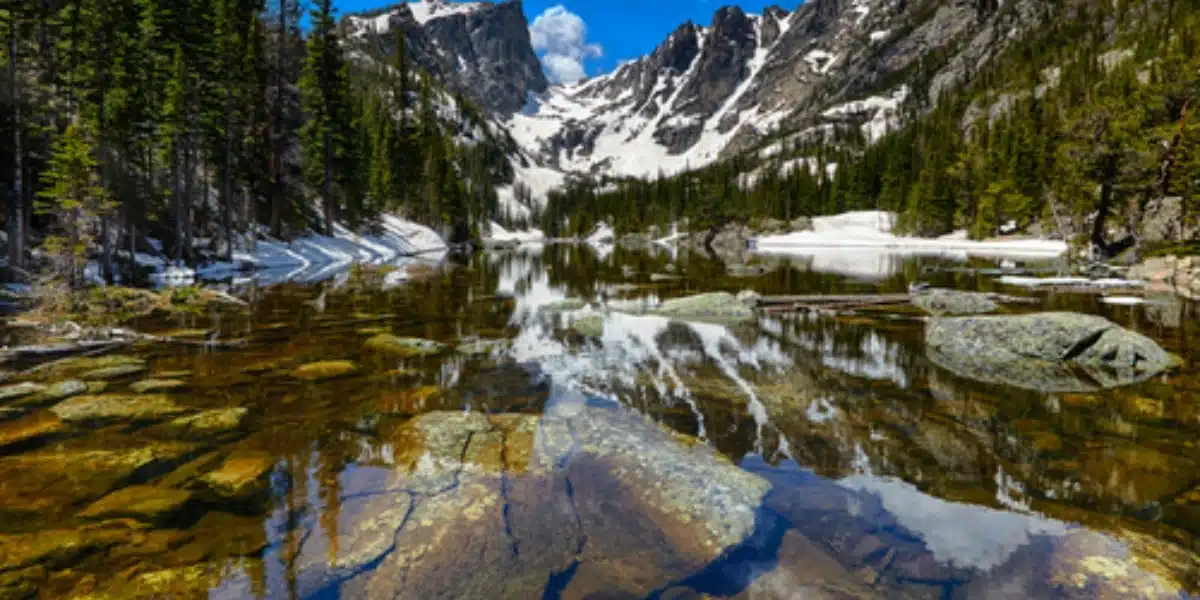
{"x":1077,"y":128}
{"x":192,"y":128}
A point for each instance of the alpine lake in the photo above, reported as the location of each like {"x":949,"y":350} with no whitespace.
{"x":478,"y":433}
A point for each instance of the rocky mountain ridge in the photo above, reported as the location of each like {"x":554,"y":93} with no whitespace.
{"x":844,"y":69}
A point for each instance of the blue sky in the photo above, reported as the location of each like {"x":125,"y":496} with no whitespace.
{"x":589,"y":37}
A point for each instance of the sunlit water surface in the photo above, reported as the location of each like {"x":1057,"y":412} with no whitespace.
{"x":803,"y":456}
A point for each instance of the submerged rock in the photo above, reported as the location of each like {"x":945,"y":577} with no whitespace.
{"x":61,"y":391}
{"x":141,"y":502}
{"x":242,"y":477}
{"x":328,"y":369}
{"x":940,"y":302}
{"x":49,"y":548}
{"x":20,"y":390}
{"x":54,"y":479}
{"x":1053,"y":352}
{"x":77,"y":366}
{"x":114,"y":372}
{"x":714,"y":305}
{"x":117,"y":407}
{"x":156,"y":385}
{"x":404,"y":347}
{"x":29,"y":428}
{"x":208,"y":424}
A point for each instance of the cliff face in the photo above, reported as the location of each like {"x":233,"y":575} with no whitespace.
{"x":481,"y":49}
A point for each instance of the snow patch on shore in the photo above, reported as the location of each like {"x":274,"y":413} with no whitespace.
{"x":1036,"y":282}
{"x":873,"y":230}
{"x":311,"y":258}
{"x":497,"y":233}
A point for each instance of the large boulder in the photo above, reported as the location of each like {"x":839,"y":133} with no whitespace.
{"x":577,"y":502}
{"x":1053,"y":352}
{"x":720,"y":306}
{"x":404,"y":347}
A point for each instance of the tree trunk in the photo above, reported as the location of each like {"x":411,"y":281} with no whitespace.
{"x":1104,"y":206}
{"x":16,"y":219}
{"x":188,"y":186}
{"x":176,"y":204}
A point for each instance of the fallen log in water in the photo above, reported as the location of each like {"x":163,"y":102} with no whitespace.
{"x":102,"y":341}
{"x":848,"y":302}
{"x":827,"y":299}
{"x":46,"y":351}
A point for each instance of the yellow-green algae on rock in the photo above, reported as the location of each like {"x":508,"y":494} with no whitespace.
{"x":323,"y":370}
{"x":242,"y":476}
{"x":55,"y":478}
{"x":117,"y":407}
{"x":141,"y":502}
{"x":404,"y":347}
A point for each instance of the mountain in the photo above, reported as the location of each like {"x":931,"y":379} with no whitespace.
{"x":480,"y":49}
{"x":708,"y":92}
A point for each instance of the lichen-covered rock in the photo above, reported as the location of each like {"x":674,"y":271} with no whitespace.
{"x":20,"y":390}
{"x":499,"y":496}
{"x":481,"y":347}
{"x":192,"y":581}
{"x":1085,"y":564}
{"x":207,"y":424}
{"x":242,"y":477}
{"x":156,"y":385}
{"x":146,"y":503}
{"x":1045,"y":351}
{"x":566,"y":305}
{"x":404,"y":347}
{"x":105,"y":408}
{"x":714,"y":305}
{"x":941,"y":302}
{"x":591,"y":325}
{"x":328,"y":369}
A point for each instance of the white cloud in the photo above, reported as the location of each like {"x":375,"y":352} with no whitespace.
{"x":560,"y":36}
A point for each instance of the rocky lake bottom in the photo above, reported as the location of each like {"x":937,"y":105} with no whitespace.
{"x":520,"y":425}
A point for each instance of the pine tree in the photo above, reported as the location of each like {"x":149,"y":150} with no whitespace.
{"x":72,"y":192}
{"x":324,"y":92}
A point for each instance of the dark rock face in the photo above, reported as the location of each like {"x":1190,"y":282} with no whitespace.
{"x":485,"y":54}
{"x":1051,"y":352}
{"x":498,"y":67}
{"x":723,"y":66}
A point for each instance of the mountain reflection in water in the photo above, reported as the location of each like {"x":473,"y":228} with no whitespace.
{"x":575,"y":445}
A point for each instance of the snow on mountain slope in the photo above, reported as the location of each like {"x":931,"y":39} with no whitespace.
{"x":707,"y":92}
{"x":421,"y":12}
{"x":765,"y":82}
{"x":667,"y":111}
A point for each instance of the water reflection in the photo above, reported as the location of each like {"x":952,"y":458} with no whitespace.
{"x":569,"y":443}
